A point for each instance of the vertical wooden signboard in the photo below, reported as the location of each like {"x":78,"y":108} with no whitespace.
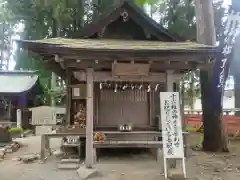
{"x":171,"y":129}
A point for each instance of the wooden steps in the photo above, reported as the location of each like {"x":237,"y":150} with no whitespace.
{"x":69,"y":164}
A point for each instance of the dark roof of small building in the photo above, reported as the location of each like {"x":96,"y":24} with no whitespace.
{"x":134,"y":12}
{"x":116,"y":45}
{"x":15,"y":82}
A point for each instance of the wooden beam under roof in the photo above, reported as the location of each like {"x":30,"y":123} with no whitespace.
{"x":107,"y":76}
{"x":154,"y":66}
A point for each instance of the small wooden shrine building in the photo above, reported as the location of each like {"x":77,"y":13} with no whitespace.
{"x":116,"y":67}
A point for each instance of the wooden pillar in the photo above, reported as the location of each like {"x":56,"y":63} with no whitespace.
{"x":68,"y":99}
{"x":10,"y":109}
{"x":53,"y":88}
{"x":169,"y":81}
{"x":89,"y":123}
{"x":19,"y":118}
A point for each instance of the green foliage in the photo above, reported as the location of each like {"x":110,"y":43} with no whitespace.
{"x":6,"y":31}
{"x":140,"y":2}
{"x":15,"y":130}
{"x":178,"y":16}
{"x":191,"y":88}
{"x":44,"y":18}
{"x":26,"y":62}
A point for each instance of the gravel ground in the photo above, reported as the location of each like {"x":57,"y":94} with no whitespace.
{"x":200,"y":166}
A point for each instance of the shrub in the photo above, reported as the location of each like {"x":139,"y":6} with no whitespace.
{"x":15,"y":130}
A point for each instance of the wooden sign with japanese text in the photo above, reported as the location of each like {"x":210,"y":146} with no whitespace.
{"x":171,"y":125}
{"x":171,"y":129}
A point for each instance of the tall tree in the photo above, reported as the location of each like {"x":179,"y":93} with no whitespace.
{"x":6,"y":32}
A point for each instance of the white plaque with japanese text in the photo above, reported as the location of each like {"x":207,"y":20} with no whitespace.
{"x":76,"y":92}
{"x":171,"y":125}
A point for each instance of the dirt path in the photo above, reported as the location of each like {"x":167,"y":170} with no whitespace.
{"x":200,"y":166}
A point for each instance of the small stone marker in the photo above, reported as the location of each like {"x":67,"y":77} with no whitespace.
{"x":58,"y":153}
{"x":29,"y":158}
{"x":87,"y":173}
{"x":2,"y":153}
{"x":13,"y":147}
{"x":9,"y":149}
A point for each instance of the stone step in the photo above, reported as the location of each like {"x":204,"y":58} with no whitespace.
{"x":70,"y":160}
{"x":69,"y":166}
{"x":71,"y":145}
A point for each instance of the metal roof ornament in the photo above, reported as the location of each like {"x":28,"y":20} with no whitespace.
{"x":156,"y":87}
{"x":100,"y":85}
{"x":149,"y":88}
{"x":125,"y":86}
{"x":132,"y":86}
{"x":115,"y":88}
{"x":124,"y":14}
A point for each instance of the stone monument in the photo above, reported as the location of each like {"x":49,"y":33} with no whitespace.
{"x":5,"y":135}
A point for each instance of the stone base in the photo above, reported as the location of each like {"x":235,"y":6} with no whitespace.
{"x":70,"y":160}
{"x":13,"y":147}
{"x":68,"y":166}
{"x":176,"y":174}
{"x":58,"y":153}
{"x":2,"y":153}
{"x":87,"y":173}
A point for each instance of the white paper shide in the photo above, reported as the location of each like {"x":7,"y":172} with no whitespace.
{"x":171,"y":125}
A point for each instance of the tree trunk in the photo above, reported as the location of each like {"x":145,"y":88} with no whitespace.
{"x":151,"y":10}
{"x":80,"y":14}
{"x":54,"y":28}
{"x":2,"y":46}
{"x":215,"y":137}
{"x":209,"y":138}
